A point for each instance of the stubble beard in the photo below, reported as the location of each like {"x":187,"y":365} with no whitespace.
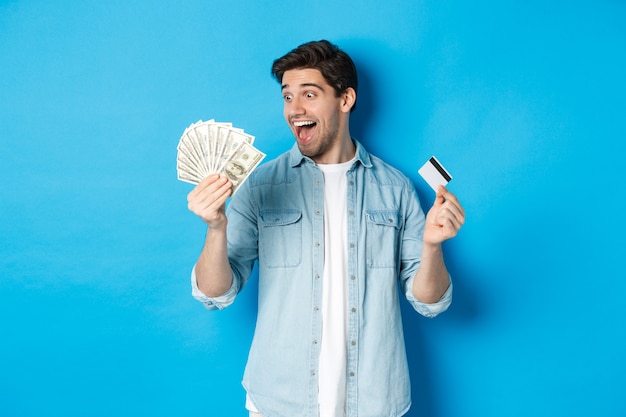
{"x":322,"y":144}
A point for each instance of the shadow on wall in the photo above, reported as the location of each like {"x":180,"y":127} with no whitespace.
{"x":366,"y":100}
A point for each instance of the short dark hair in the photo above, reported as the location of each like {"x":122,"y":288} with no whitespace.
{"x":336,"y":66}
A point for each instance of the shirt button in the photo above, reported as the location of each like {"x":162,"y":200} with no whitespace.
{"x":317,"y":212}
{"x":351,"y":245}
{"x":317,"y":276}
{"x":316,"y":308}
{"x":352,"y":277}
{"x":351,"y":182}
{"x":315,"y":342}
{"x":351,"y":373}
{"x":353,"y":343}
{"x":351,"y":212}
{"x":317,"y":244}
{"x":353,"y":310}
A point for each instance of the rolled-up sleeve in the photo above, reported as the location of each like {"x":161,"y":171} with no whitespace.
{"x":429,"y":310}
{"x":213,"y":303}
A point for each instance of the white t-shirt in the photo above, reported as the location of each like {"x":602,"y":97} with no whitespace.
{"x":334,"y":343}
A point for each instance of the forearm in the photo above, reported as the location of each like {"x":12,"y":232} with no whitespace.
{"x":432,"y":278}
{"x":213,"y":271}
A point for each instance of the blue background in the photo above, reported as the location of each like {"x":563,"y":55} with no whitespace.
{"x":522,"y":101}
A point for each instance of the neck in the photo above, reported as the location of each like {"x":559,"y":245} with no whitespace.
{"x":343,"y":151}
{"x":343,"y":148}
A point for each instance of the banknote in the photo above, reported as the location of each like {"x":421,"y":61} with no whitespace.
{"x":207,"y":147}
{"x":241,"y":163}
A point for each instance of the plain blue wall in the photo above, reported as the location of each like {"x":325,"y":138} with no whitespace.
{"x":522,"y":101}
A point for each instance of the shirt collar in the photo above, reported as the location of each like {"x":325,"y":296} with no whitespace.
{"x":296,"y":158}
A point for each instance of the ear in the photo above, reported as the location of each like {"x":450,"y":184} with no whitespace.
{"x":348,"y":98}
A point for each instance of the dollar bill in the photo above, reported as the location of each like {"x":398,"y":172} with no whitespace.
{"x":241,"y":163}
{"x":207,"y":147}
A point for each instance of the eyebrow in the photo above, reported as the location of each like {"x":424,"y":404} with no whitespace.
{"x":304,"y":85}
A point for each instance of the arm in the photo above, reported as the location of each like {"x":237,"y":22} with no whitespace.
{"x":207,"y":201}
{"x":443,"y":222}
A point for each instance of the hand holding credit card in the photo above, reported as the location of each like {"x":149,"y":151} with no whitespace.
{"x":434,"y":173}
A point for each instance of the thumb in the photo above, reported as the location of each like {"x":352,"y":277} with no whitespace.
{"x":439,"y":197}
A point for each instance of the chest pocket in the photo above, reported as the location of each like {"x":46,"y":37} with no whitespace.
{"x":280,"y":238}
{"x":383,"y":233}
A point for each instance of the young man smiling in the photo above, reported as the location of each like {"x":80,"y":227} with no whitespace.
{"x":317,"y":116}
{"x":335,"y":231}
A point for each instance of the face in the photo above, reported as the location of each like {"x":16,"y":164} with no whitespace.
{"x":317,"y":118}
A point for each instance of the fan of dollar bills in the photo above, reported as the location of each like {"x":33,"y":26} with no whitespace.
{"x":212,"y":147}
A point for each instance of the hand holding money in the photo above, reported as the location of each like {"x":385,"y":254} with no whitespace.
{"x":208,"y":200}
{"x":216,"y":148}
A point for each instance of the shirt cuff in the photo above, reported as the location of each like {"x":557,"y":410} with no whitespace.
{"x":212,"y":303}
{"x":434,"y":309}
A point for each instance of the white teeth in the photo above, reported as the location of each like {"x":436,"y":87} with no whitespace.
{"x":303,"y":123}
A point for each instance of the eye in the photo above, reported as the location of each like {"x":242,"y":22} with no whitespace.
{"x":310,"y":94}
{"x":287,"y":97}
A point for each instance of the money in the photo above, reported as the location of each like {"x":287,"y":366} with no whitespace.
{"x":208,"y":147}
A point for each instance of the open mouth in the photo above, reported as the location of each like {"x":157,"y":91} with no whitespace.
{"x":304,"y":129}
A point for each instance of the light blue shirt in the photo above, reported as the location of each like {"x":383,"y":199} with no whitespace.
{"x":276,"y":217}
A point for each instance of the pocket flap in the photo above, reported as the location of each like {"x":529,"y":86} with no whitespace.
{"x":280,"y":217}
{"x":384,"y":217}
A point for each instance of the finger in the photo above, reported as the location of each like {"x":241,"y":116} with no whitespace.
{"x":212,"y":211}
{"x":212,"y":207}
{"x":455,"y":211}
{"x":452,"y":213}
{"x":223,"y":193}
{"x":202,"y":185}
{"x":440,"y":196}
{"x":208,"y":187}
{"x":450,"y":197}
{"x":452,"y":204}
{"x":450,"y":228}
{"x":209,"y":200}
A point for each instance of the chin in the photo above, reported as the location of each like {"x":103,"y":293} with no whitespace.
{"x":308,"y":151}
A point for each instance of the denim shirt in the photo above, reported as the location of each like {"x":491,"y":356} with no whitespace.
{"x":276,"y":218}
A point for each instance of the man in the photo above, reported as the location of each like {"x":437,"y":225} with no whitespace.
{"x":335,"y":230}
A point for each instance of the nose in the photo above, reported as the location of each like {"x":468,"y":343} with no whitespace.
{"x":294,"y":107}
